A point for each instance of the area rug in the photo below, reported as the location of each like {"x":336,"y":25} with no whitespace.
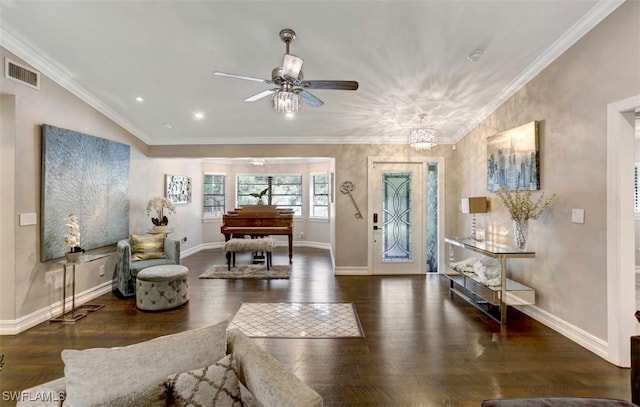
{"x":298,"y":320}
{"x":254,"y":271}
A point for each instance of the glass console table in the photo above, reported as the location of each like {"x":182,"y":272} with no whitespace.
{"x":73,"y":315}
{"x":492,"y":299}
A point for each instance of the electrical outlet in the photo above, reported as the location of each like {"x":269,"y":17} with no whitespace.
{"x":301,"y":235}
{"x":101,"y":270}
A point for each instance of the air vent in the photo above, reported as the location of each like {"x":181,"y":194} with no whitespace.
{"x":22,"y":74}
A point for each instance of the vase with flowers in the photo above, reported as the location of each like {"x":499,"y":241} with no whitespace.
{"x":72,"y":239}
{"x":158,"y":205}
{"x":522,"y":207}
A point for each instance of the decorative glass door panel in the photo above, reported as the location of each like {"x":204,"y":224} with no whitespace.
{"x":396,"y":217}
{"x":397,"y":221}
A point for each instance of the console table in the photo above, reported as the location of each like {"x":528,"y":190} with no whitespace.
{"x":74,"y":316}
{"x":490,"y":299}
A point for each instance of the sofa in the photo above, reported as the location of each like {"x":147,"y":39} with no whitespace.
{"x":205,"y":366}
{"x":154,"y":250}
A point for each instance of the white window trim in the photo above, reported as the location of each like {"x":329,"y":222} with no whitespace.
{"x":273,"y":174}
{"x":311,"y":184}
{"x":212,"y":218}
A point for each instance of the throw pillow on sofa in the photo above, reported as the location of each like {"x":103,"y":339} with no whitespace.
{"x":146,"y":247}
{"x":216,"y":385}
{"x":135,"y":375}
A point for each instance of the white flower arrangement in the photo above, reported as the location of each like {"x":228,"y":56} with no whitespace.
{"x":159,"y":204}
{"x":520,"y":205}
{"x":72,"y":239}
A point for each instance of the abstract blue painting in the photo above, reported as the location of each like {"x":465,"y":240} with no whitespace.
{"x":87,"y":176}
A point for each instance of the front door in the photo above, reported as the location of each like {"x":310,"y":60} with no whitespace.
{"x":398,"y":220}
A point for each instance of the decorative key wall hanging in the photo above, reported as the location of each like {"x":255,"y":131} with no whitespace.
{"x":346,"y":188}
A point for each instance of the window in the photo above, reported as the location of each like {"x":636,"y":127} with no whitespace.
{"x":214,"y":197}
{"x":320,"y":196}
{"x":282,"y":190}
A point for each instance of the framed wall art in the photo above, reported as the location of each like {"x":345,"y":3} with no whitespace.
{"x":86,"y":176}
{"x":178,"y":189}
{"x":513,"y":159}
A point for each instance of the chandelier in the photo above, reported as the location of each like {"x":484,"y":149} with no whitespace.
{"x":285,"y":101}
{"x":423,"y":138}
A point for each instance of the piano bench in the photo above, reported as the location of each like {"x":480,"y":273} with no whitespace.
{"x":265,"y":244}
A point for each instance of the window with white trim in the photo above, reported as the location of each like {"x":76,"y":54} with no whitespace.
{"x":214,"y":195}
{"x":319,"y":196}
{"x":285,"y":191}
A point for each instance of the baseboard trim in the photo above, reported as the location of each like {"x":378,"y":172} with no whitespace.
{"x":352,"y":271}
{"x":279,"y":243}
{"x":572,"y":332}
{"x":14,"y":327}
{"x":305,"y":243}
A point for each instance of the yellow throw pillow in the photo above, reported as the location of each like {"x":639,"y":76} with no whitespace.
{"x":145,"y":247}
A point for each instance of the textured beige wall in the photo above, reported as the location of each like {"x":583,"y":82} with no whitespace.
{"x":56,"y":106}
{"x":7,"y":206}
{"x":569,"y":98}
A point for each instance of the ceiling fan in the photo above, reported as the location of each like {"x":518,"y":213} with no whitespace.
{"x":290,"y":84}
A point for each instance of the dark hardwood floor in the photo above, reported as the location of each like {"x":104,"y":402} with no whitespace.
{"x":423,"y":346}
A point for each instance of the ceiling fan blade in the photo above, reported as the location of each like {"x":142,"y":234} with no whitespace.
{"x":260,"y":95}
{"x":339,"y":85}
{"x":248,"y":78}
{"x":291,"y":66}
{"x":309,"y":99}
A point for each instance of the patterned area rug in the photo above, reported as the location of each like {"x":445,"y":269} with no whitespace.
{"x":255,"y":271}
{"x":298,"y":320}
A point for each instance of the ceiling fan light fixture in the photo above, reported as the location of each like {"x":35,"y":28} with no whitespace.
{"x":423,"y":138}
{"x":286,"y":102}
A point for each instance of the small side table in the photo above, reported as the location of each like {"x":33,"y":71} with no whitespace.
{"x":75,"y":316}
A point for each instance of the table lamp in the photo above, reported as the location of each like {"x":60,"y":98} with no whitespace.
{"x":473,"y":205}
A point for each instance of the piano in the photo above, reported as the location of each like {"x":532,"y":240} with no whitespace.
{"x":259,"y":220}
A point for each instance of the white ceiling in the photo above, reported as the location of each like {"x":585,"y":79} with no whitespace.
{"x":409,"y":57}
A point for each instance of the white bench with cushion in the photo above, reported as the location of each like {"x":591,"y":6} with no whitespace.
{"x":264,"y":244}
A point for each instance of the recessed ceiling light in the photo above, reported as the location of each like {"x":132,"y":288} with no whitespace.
{"x":168,"y":126}
{"x":198,"y":115}
{"x":140,"y":99}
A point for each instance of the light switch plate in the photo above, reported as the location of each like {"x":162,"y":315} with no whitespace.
{"x":27,"y":219}
{"x":577,"y":215}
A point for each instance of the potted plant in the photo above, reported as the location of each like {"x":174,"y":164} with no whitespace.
{"x":260,"y":196}
{"x":72,"y":239}
{"x":158,"y":205}
{"x":521,"y":208}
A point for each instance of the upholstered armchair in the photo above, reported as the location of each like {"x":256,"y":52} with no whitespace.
{"x":129,"y":264}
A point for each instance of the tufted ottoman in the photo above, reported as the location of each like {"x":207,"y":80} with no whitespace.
{"x":162,"y":287}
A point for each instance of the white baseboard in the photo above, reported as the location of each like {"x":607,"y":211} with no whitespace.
{"x":352,"y":271}
{"x":14,"y":327}
{"x":200,"y":247}
{"x":279,"y":243}
{"x":579,"y":336}
{"x":305,"y":243}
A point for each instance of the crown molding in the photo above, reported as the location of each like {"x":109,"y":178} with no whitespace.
{"x":401,"y":139}
{"x":64,"y":79}
{"x":59,"y":75}
{"x":598,"y":13}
